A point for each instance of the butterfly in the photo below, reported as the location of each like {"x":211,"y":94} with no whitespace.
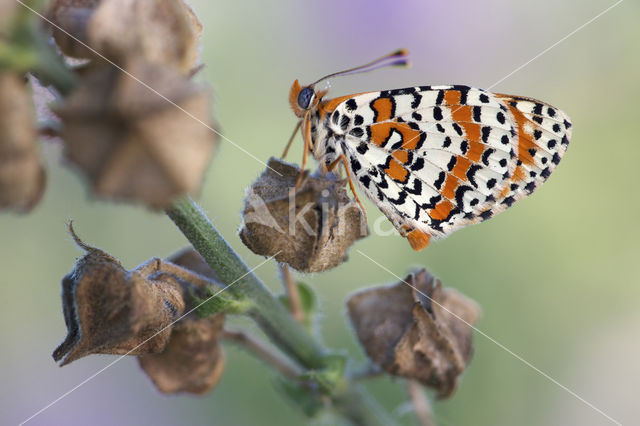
{"x":432,"y":158}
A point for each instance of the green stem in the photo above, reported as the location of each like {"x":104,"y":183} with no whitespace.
{"x":270,"y":314}
{"x":265,"y":309}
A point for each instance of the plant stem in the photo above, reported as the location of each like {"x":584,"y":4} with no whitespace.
{"x":270,"y":314}
{"x":261,"y":351}
{"x":421,"y":404}
{"x":291,"y":288}
{"x":266,"y":310}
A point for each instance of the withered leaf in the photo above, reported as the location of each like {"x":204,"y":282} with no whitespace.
{"x":22,"y":174}
{"x":417,"y":330}
{"x":134,"y":144}
{"x":312,"y":229}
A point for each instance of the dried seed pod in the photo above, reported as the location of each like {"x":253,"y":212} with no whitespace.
{"x":416,"y":329}
{"x":193,"y":360}
{"x":311,"y":229}
{"x":110,"y":310}
{"x":70,"y":19}
{"x":164,"y":32}
{"x":22,"y":174}
{"x":190,"y":259}
{"x":131,"y":142}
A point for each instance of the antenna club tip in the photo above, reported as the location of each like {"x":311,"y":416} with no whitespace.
{"x":401,"y":52}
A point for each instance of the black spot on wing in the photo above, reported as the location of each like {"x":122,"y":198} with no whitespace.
{"x":417,"y":165}
{"x":452,"y":163}
{"x":471,"y":174}
{"x":351,"y":104}
{"x":362,"y":148}
{"x":438,"y":182}
{"x":508,"y":201}
{"x":437,"y":113}
{"x":417,"y":97}
{"x":344,"y":122}
{"x":476,"y":114}
{"x":417,"y":187}
{"x":486,"y":154}
{"x":486,"y":131}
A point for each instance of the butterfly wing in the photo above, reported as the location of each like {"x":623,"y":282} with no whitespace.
{"x":436,"y":158}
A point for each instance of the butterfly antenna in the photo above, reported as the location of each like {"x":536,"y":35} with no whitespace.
{"x":394,"y":59}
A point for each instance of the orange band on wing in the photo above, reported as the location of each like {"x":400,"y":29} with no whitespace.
{"x":397,"y":171}
{"x":419,"y":240}
{"x":383,"y":108}
{"x":450,"y":186}
{"x":401,"y":156}
{"x":441,"y":211}
{"x":461,"y":113}
{"x":461,"y":168}
{"x":452,"y":97}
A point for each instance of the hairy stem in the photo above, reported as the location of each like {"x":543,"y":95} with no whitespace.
{"x":242,"y":283}
{"x":293,"y":294}
{"x":261,"y":351}
{"x":270,"y":313}
{"x":421,"y":404}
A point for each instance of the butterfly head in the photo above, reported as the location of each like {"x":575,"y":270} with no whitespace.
{"x":302,"y":98}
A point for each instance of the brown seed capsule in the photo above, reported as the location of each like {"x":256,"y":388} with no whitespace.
{"x":190,"y":259}
{"x":310,"y":229}
{"x":134,"y":144}
{"x":193,"y":360}
{"x":70,"y":19}
{"x":110,"y":310}
{"x":22,"y":175}
{"x":416,"y":329}
{"x":164,"y":32}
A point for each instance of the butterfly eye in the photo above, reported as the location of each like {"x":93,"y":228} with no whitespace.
{"x":305,"y":97}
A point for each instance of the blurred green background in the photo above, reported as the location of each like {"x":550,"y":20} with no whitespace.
{"x":556,"y":275}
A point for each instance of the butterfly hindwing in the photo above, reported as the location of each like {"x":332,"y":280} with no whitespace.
{"x":436,"y":158}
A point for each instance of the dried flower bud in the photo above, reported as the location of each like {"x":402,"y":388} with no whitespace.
{"x":311,"y":229}
{"x":110,"y":310}
{"x":73,"y":17}
{"x":419,"y":330}
{"x":22,"y":175}
{"x":130,"y":142}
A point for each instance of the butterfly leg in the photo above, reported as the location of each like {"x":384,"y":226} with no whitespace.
{"x":343,"y":159}
{"x":293,"y":135}
{"x":306,"y":128}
